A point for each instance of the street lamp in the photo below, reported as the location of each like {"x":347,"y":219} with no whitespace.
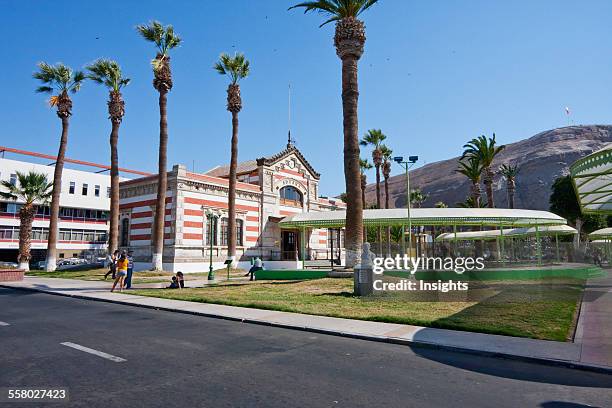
{"x":407,"y":164}
{"x":212,"y":218}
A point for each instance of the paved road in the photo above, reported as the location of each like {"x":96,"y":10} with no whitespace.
{"x":178,"y":360}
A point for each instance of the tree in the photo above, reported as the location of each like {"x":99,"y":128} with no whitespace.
{"x":349,"y":40}
{"x":60,"y":81}
{"x":417,"y":197}
{"x":164,"y":39}
{"x":236,"y":68}
{"x":374,"y":138}
{"x":364,"y":165}
{"x":386,"y":170}
{"x":472,"y":169}
{"x":563,"y":202}
{"x":510,"y":171}
{"x":108,"y":73}
{"x":485,"y":150}
{"x":32,"y":189}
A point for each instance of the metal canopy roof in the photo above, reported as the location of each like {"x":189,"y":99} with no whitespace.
{"x":601,"y":233}
{"x":592,"y":177}
{"x":509,"y":233}
{"x":428,"y":216}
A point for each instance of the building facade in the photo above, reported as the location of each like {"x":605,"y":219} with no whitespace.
{"x":268,"y":189}
{"x":84,"y":208}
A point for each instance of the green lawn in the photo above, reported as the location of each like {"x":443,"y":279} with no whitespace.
{"x":138,"y":277}
{"x":543,"y":310}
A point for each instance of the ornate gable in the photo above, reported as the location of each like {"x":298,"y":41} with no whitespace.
{"x":292,"y":164}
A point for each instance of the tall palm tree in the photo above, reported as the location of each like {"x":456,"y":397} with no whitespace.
{"x":31,"y":189}
{"x":349,"y":40}
{"x":236,"y":68}
{"x":108,"y":73}
{"x":60,"y":81}
{"x":386,"y":171}
{"x":164,"y":39}
{"x":509,"y":171}
{"x":472,"y":169}
{"x":364,"y":165}
{"x":486,"y":150}
{"x":374,"y":138}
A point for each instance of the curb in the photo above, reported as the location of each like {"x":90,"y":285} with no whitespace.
{"x":381,"y":339}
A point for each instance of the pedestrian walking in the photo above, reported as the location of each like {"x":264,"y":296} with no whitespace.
{"x":112,"y":264}
{"x":122,"y":265}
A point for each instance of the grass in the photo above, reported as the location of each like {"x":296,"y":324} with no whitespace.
{"x":542,"y":310}
{"x":138,"y":277}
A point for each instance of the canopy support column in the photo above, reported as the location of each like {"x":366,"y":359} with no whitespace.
{"x":302,"y":245}
{"x":557,"y":247}
{"x":502,"y":249}
{"x":538,"y":245}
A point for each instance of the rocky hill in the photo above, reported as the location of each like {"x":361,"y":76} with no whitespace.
{"x":541,"y":158}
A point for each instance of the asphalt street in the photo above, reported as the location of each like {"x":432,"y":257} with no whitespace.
{"x":110,"y":355}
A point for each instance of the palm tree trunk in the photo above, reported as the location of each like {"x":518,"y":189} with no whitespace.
{"x":511,"y":190}
{"x":55,"y":198}
{"x":489,"y":186}
{"x":26,"y":215}
{"x":231,"y":224}
{"x":387,"y":206}
{"x":363,"y":200}
{"x":354,"y":205}
{"x":113,"y":236}
{"x":162,"y":182}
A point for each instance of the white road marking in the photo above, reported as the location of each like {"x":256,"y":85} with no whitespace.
{"x":4,"y":324}
{"x":94,"y":352}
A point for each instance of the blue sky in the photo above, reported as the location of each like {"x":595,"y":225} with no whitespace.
{"x":434,"y":74}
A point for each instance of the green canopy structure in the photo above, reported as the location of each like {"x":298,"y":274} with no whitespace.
{"x":601,"y":234}
{"x":444,"y":217}
{"x":592,"y":178}
{"x":555,"y":230}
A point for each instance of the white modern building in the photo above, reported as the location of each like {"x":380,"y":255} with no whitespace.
{"x":84,"y":207}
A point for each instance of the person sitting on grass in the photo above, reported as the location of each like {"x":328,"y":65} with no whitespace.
{"x":174,"y":284}
{"x":122,"y":266}
{"x":181,"y":280}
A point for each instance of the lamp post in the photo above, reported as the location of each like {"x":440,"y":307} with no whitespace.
{"x":407,"y":164}
{"x":212,"y":218}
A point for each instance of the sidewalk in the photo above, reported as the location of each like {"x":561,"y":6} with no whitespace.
{"x":592,"y":349}
{"x":594,"y":329}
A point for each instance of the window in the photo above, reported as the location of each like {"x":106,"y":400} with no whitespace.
{"x":13,"y":179}
{"x":290,"y":196}
{"x":224,"y":225}
{"x":97,"y":191}
{"x":125,"y":232}
{"x":71,"y":187}
{"x":224,"y":231}
{"x":108,"y":192}
{"x":84,"y":191}
{"x":239,"y":232}
{"x":61,"y":255}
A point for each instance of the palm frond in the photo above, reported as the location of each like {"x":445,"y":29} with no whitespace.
{"x":236,"y":67}
{"x":57,"y":78}
{"x":336,"y":9}
{"x":108,"y":73}
{"x":164,"y":38}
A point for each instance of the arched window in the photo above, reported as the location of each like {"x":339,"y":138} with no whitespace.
{"x":125,"y":232}
{"x":290,"y":195}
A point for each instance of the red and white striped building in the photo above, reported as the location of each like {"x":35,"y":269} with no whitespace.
{"x":268,"y":189}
